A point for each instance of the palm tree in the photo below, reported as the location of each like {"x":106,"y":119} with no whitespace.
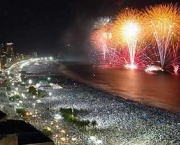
{"x":94,"y":123}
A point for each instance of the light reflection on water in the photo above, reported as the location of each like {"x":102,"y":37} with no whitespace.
{"x":161,"y":90}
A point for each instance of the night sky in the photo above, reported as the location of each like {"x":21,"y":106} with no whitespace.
{"x":52,"y":26}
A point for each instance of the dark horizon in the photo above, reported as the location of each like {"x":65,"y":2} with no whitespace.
{"x":49,"y":27}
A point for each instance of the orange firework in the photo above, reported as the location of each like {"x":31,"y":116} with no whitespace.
{"x":162,"y":22}
{"x":128,"y":26}
{"x":128,"y":30}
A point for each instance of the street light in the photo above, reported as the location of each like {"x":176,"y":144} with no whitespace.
{"x":48,"y":78}
{"x":51,"y":58}
{"x":30,"y":81}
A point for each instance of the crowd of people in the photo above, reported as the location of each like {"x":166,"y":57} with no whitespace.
{"x":119,"y":121}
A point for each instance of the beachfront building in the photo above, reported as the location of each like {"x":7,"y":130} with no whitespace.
{"x":2,"y":116}
{"x":18,"y":132}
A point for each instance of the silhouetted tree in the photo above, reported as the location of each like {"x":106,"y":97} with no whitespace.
{"x":32,"y":90}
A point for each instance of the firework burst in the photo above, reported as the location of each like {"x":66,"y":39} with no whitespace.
{"x":100,"y":40}
{"x":102,"y":21}
{"x":128,"y":30}
{"x":147,"y":39}
{"x":162,"y":23}
{"x":101,"y":37}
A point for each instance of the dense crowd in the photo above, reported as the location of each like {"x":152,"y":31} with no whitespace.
{"x":119,"y":121}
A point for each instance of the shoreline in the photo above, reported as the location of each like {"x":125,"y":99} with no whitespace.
{"x":148,"y":102}
{"x":119,"y":120}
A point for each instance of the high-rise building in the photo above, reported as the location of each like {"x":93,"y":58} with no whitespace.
{"x":34,"y":54}
{"x":6,"y":53}
{"x":18,"y":132}
{"x":7,"y":49}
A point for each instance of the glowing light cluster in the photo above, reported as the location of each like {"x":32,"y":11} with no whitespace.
{"x":130,"y":30}
{"x":102,"y":21}
{"x":164,"y":22}
{"x":153,"y":68}
{"x":101,"y":39}
{"x":131,"y":66}
{"x":149,"y":36}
